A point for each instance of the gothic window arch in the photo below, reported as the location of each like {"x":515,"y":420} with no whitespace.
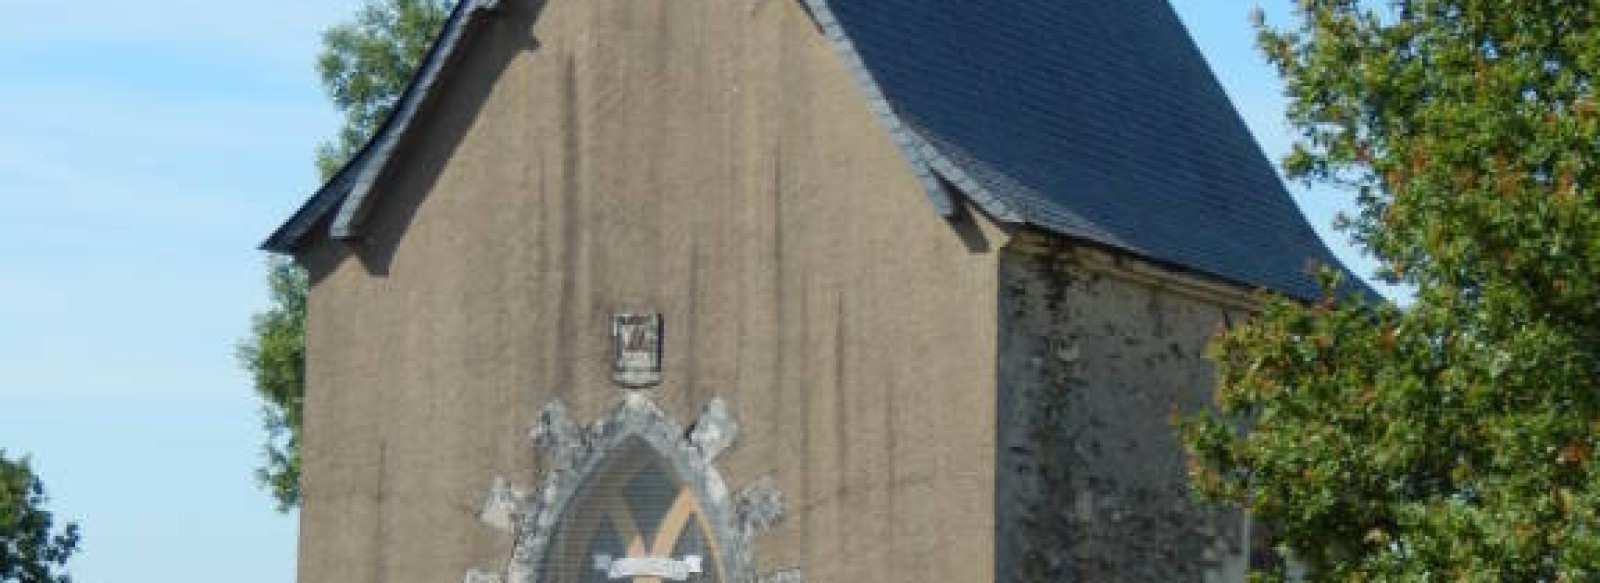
{"x":634,"y":498}
{"x":634,"y":519}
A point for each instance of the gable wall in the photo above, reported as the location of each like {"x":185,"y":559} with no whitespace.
{"x":711,"y":159}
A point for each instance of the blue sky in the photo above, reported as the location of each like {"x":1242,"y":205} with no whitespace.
{"x":145,"y":150}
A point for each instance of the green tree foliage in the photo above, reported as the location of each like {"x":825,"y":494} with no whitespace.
{"x":1454,"y":439}
{"x":275,"y":356}
{"x":32,"y":548}
{"x":365,"y":65}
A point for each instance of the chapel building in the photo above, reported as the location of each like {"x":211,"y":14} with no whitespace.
{"x":771,"y":291}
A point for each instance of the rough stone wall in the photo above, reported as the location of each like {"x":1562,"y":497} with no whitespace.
{"x":1091,"y":478}
{"x":712,"y":160}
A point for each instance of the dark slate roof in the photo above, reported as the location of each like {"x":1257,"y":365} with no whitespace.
{"x":1090,"y":118}
{"x":1094,"y":119}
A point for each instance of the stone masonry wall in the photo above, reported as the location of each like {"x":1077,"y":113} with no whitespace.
{"x":1092,"y":480}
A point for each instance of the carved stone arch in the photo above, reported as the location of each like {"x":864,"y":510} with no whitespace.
{"x":634,"y":514}
{"x":634,"y":442}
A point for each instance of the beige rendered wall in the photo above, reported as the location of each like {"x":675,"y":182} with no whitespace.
{"x":710,"y":159}
{"x":1097,"y":353}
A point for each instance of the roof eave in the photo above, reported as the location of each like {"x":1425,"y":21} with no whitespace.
{"x":348,"y":195}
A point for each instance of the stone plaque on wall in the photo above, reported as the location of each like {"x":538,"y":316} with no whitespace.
{"x":636,"y":350}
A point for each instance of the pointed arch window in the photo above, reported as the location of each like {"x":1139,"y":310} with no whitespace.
{"x":634,"y":520}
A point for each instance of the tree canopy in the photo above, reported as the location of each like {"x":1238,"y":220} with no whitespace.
{"x":364,"y":65}
{"x":33,"y":548}
{"x":274,"y":353}
{"x":1453,"y":439}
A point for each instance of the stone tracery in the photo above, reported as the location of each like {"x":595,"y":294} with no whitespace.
{"x":576,"y":456}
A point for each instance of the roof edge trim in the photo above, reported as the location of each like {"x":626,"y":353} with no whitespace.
{"x":347,"y":223}
{"x":922,"y":166}
{"x":986,"y":199}
{"x":287,"y":237}
{"x":348,"y":193}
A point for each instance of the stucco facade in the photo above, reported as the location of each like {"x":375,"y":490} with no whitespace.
{"x":714,"y":162}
